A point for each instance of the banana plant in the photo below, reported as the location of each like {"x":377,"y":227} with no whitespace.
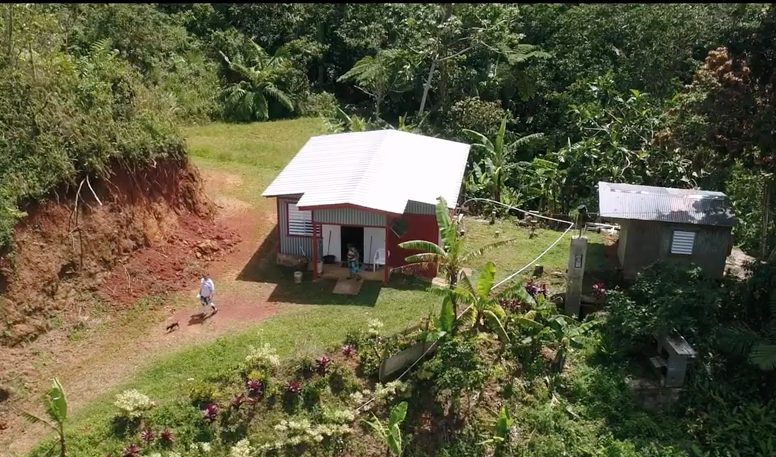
{"x":390,"y":433}
{"x":55,"y":403}
{"x":500,"y":436}
{"x":484,"y":311}
{"x":449,"y":256}
{"x":496,"y":165}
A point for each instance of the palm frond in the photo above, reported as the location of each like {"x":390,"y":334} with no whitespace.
{"x":496,"y":325}
{"x":481,"y":140}
{"x":486,"y":279}
{"x":479,"y":251}
{"x":527,"y":139}
{"x":422,"y":245}
{"x":442,"y":215}
{"x":764,"y":356}
{"x":280,"y":96}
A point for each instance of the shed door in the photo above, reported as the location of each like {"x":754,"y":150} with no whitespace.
{"x":374,"y":239}
{"x":331,"y":240}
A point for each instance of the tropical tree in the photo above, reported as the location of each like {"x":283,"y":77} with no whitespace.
{"x":389,"y":71}
{"x":449,"y":257}
{"x":342,"y":122}
{"x":495,"y":165}
{"x":262,"y":78}
{"x":390,"y":433}
{"x":55,"y":404}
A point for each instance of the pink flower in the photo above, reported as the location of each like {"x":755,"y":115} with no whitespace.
{"x":255,"y":388}
{"x":322,"y":365}
{"x":147,"y":435}
{"x":294,"y":387}
{"x":131,"y":451}
{"x":166,"y":436}
{"x":599,"y":290}
{"x":348,"y":350}
{"x":210,"y":413}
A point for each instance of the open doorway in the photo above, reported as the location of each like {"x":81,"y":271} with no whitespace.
{"x":354,"y":236}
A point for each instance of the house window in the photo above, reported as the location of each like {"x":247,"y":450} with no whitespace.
{"x":300,"y":223}
{"x":682,"y":242}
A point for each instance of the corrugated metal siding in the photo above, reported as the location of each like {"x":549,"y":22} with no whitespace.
{"x":664,"y":204}
{"x":414,"y":207}
{"x":348,"y":216}
{"x":293,"y":245}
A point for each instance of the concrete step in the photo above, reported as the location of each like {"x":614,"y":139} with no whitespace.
{"x":658,"y":362}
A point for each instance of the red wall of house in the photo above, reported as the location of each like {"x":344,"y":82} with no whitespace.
{"x":419,"y":227}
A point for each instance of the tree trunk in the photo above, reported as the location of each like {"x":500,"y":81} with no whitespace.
{"x":10,"y":35}
{"x":767,"y":191}
{"x":427,"y":86}
{"x":62,"y":452}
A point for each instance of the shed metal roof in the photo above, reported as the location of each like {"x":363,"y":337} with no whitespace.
{"x":665,"y":204}
{"x":380,"y":170}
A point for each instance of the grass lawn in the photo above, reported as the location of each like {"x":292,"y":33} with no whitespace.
{"x":256,"y":153}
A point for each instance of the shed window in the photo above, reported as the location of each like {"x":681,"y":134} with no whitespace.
{"x":682,"y":242}
{"x":300,"y":223}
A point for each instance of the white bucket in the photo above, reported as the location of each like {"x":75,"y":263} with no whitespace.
{"x":298,"y":277}
{"x":320,"y":267}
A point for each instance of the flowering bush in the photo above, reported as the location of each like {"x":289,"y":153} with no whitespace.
{"x":133,"y":404}
{"x":512,"y":305}
{"x":131,"y":451}
{"x":237,"y":401}
{"x":303,"y":432}
{"x":535,"y":289}
{"x":294,"y":387}
{"x":241,"y":449}
{"x":348,"y":350}
{"x":385,"y":394}
{"x":374,"y":327}
{"x":147,"y":435}
{"x":322,"y":365}
{"x":166,"y":437}
{"x":210,"y":413}
{"x":599,"y":291}
{"x":264,"y":358}
{"x":255,"y":388}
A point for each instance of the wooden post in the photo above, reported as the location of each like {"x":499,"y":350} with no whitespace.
{"x":315,"y":252}
{"x":387,"y":254}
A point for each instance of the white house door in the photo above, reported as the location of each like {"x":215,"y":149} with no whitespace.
{"x":332,"y":240}
{"x":374,"y":239}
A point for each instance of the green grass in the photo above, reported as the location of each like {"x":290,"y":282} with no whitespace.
{"x":514,"y":256}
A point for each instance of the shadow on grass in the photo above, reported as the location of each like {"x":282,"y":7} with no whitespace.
{"x":262,"y":268}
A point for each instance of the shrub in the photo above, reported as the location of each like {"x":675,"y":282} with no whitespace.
{"x":264,"y":359}
{"x":322,"y":364}
{"x":133,"y":404}
{"x":663,"y":299}
{"x":475,"y":114}
{"x":321,"y":104}
{"x":306,"y":367}
{"x":311,"y":393}
{"x":210,"y":412}
{"x":201,"y":393}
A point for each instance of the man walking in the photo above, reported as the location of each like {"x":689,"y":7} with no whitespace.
{"x":206,"y":289}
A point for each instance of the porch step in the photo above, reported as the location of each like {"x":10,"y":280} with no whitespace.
{"x":657,"y":362}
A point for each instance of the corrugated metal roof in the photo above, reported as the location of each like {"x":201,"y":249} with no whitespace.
{"x":381,"y":170}
{"x":648,"y":203}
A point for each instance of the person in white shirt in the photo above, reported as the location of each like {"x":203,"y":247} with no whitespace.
{"x":206,"y":290}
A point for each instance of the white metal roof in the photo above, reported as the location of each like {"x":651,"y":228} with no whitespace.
{"x":380,"y":170}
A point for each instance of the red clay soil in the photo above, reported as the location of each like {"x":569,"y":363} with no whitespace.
{"x":150,"y":231}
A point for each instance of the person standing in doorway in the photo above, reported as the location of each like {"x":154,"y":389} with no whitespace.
{"x":206,"y":290}
{"x":353,"y":257}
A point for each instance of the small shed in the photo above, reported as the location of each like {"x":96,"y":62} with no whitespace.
{"x":661,"y":223}
{"x":371,"y":189}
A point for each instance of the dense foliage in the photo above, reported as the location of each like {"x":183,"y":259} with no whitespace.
{"x":652,"y":94}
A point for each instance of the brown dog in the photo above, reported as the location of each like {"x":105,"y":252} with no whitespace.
{"x":175,"y":325}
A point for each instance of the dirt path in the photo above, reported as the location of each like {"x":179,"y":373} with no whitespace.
{"x":125,"y":344}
